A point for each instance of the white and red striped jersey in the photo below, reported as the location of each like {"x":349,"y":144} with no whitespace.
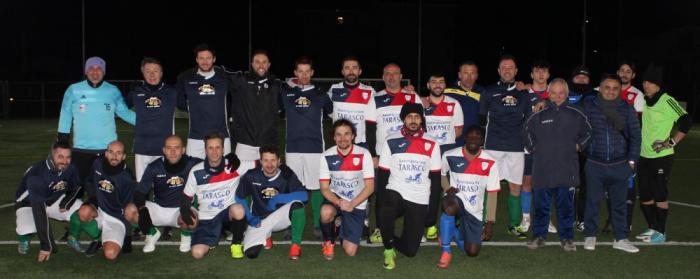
{"x":409,"y":160}
{"x":355,"y":105}
{"x":214,"y":192}
{"x":442,"y":119}
{"x":388,"y":108}
{"x":346,"y":174}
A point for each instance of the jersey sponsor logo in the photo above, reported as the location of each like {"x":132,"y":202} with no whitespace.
{"x":218,"y":204}
{"x":302,"y":102}
{"x":268,"y":192}
{"x":509,"y":101}
{"x":547,"y":121}
{"x":440,"y":137}
{"x":468,"y":186}
{"x":175,"y":181}
{"x":206,"y":89}
{"x":105,"y":186}
{"x":347,"y":194}
{"x":472,"y":200}
{"x":393,"y":129}
{"x":59,"y":186}
{"x":415,"y":178}
{"x":153,"y":102}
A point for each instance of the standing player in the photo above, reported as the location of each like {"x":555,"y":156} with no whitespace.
{"x":444,"y":122}
{"x":110,"y":189}
{"x":471,"y":173}
{"x":154,"y":103}
{"x":388,"y":106}
{"x":347,"y":181}
{"x":48,"y":190}
{"x":166,"y":177}
{"x":214,"y":184}
{"x":467,"y":93}
{"x":277,"y":201}
{"x":304,"y":106}
{"x":660,"y":113}
{"x":409,"y":166}
{"x":505,"y":109}
{"x":202,"y":92}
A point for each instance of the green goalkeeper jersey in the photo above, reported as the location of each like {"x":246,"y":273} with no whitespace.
{"x":657,"y":122}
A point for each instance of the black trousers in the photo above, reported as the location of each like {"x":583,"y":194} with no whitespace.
{"x":394,"y":206}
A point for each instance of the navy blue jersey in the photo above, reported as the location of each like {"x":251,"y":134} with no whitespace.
{"x":155,"y":114}
{"x":304,"y":108}
{"x":205,"y":100}
{"x":42,"y":184}
{"x":506,"y":109}
{"x":167,"y":187}
{"x":113,"y":192}
{"x":469,"y":101}
{"x":262,"y":188}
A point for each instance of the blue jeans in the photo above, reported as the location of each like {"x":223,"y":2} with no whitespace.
{"x":565,"y":211}
{"x":614,"y":180}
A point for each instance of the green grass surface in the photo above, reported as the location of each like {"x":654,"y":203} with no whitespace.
{"x":24,"y":142}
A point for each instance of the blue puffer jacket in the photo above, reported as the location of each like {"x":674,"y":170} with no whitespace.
{"x":608,"y":145}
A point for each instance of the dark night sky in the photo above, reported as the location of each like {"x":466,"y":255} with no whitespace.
{"x":42,"y":39}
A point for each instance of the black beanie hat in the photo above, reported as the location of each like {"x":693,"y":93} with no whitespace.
{"x":654,"y":74}
{"x":581,"y":70}
{"x":410,"y":108}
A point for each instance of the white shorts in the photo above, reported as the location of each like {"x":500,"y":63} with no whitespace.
{"x":113,"y":229}
{"x":195,"y":148}
{"x":163,"y":216}
{"x":140,"y":163}
{"x":276,"y":221}
{"x":306,"y":166}
{"x":248,"y":155}
{"x":25,"y":217}
{"x":510,"y":165}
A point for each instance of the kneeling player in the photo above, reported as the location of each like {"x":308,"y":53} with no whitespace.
{"x":214,"y":185}
{"x":48,"y":190}
{"x":166,"y":176}
{"x":347,"y":180}
{"x":110,"y":189}
{"x":472,"y":172}
{"x":277,"y":199}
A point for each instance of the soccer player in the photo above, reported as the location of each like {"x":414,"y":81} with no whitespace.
{"x":254,"y":109}
{"x":388,"y":106}
{"x":305,"y":106}
{"x":347,"y":181}
{"x":444,"y":122}
{"x":48,"y":189}
{"x":409,"y":166}
{"x":277,"y":201}
{"x":166,"y":177}
{"x":202,"y":93}
{"x":110,"y":191}
{"x":88,"y":109}
{"x":660,"y":113}
{"x":154,"y":103}
{"x":214,"y":185}
{"x":472,"y":173}
{"x":467,"y":93}
{"x":504,"y":109}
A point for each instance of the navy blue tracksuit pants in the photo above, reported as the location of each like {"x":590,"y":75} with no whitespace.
{"x":613,"y":179}
{"x":565,"y":211}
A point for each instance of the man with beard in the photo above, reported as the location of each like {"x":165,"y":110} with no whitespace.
{"x":409,"y":166}
{"x":254,"y":109}
{"x":468,"y":173}
{"x":202,"y":92}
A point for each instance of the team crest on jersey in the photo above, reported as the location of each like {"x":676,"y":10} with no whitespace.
{"x":484,"y":165}
{"x":365,"y":95}
{"x":427,"y":146}
{"x":449,"y":108}
{"x":269,"y":192}
{"x":630,"y":97}
{"x":407,"y":97}
{"x":206,"y":89}
{"x":175,"y":181}
{"x":153,"y":102}
{"x":302,"y":102}
{"x":61,"y":185}
{"x":106,"y":186}
{"x":509,"y":101}
{"x":356,"y":161}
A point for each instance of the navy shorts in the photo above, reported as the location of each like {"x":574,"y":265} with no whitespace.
{"x":351,"y":224}
{"x":527,"y":170}
{"x":470,"y":228}
{"x":208,"y":232}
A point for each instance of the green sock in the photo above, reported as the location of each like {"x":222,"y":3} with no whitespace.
{"x":185,"y":233}
{"x":514,"y":210}
{"x":316,"y":200}
{"x":298,"y":222}
{"x":26,"y":237}
{"x":152,"y":231}
{"x":91,"y":229}
{"x":74,"y":229}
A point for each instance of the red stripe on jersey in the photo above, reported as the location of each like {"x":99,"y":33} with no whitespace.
{"x":353,"y":162}
{"x":421,"y":146}
{"x":401,"y":98}
{"x":479,"y":166}
{"x":359,"y":96}
{"x":444,"y":109}
{"x":223,"y":176}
